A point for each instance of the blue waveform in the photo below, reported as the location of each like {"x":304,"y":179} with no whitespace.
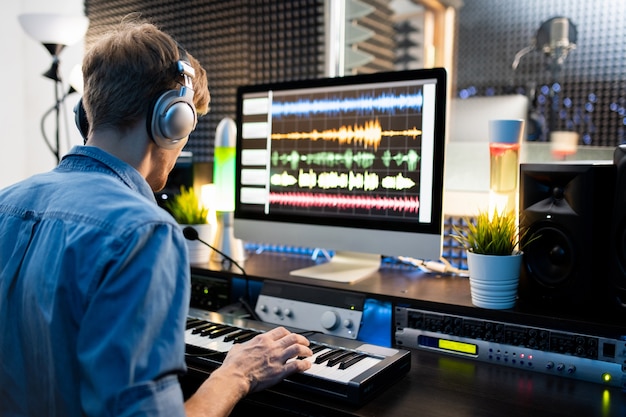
{"x":364,"y":104}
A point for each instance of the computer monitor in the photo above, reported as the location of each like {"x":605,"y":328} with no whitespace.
{"x":353,"y":165}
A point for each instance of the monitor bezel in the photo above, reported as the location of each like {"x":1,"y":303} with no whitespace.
{"x":434,"y":227}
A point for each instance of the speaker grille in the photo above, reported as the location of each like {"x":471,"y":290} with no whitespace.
{"x":567,"y":209}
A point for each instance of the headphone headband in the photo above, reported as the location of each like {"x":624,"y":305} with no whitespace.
{"x":172,"y":117}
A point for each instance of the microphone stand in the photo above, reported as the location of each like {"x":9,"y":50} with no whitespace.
{"x":192,"y":234}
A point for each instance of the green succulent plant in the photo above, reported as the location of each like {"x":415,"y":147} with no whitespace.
{"x":491,"y":234}
{"x":186,"y":207}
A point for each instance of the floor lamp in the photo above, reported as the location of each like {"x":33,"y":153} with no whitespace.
{"x":54,"y":32}
{"x":224,"y":183}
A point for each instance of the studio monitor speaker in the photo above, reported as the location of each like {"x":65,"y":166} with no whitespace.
{"x":567,"y":208}
{"x":617,"y":241}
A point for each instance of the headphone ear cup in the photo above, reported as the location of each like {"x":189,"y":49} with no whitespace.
{"x":173,"y":118}
{"x":80,"y":118}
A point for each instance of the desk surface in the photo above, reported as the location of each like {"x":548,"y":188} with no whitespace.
{"x":440,"y":384}
{"x":444,"y":386}
{"x":450,"y":294}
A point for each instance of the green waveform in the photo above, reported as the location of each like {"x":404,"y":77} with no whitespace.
{"x":328,"y":159}
{"x":411,"y":158}
{"x":331,"y":180}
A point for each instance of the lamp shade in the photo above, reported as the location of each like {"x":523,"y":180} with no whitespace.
{"x":57,"y":29}
{"x":76,"y":79}
{"x":224,"y":165}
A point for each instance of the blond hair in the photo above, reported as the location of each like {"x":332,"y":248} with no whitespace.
{"x":127,"y":69}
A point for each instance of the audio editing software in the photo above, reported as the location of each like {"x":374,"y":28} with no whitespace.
{"x":337,"y":151}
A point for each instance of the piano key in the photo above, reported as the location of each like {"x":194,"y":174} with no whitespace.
{"x":338,"y":359}
{"x":245,"y":337}
{"x":342,"y":375}
{"x":208,"y":330}
{"x":317,"y":370}
{"x":328,"y":355}
{"x":238,"y":336}
{"x":204,"y":328}
{"x":221,"y":332}
{"x":348,"y":363}
{"x":347,"y":372}
{"x":193,"y":322}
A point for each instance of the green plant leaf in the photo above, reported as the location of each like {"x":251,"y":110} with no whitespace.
{"x":186,"y":207}
{"x":490,"y":233}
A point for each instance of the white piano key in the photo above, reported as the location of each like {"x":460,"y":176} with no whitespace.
{"x":334,"y":373}
{"x":321,"y":370}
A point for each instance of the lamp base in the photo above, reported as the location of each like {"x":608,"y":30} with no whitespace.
{"x":225,"y":240}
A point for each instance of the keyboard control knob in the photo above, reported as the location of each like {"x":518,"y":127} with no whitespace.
{"x":288,"y":312}
{"x":277,"y":311}
{"x":329,"y":320}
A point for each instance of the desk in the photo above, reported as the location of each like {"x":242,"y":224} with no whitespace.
{"x":440,"y":384}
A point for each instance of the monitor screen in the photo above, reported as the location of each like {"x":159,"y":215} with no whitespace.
{"x":353,"y":165}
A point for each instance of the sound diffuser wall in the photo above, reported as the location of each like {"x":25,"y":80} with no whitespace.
{"x":591,"y":86}
{"x":237,"y":41}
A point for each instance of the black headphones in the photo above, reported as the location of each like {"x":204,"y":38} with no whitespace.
{"x":173,"y":116}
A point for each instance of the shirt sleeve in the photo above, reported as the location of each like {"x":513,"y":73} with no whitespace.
{"x":131,"y":341}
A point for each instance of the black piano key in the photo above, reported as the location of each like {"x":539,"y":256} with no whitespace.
{"x":193,"y":323}
{"x":208,"y":330}
{"x":316,"y":348}
{"x":328,"y":355}
{"x":245,"y":337}
{"x":234,"y":336}
{"x":222,"y":332}
{"x":348,"y":363}
{"x":202,"y":327}
{"x":340,"y":358}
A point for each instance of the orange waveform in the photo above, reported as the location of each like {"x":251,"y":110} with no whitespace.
{"x":369,"y":135}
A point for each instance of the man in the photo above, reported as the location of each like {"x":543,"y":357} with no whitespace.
{"x":94,"y":276}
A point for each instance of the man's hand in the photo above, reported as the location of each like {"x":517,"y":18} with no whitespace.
{"x":250,"y":367}
{"x":264,"y":358}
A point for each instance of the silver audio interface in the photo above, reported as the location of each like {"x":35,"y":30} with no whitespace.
{"x":571,"y":355}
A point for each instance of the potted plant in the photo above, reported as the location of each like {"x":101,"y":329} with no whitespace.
{"x":494,"y":257}
{"x":188,"y":210}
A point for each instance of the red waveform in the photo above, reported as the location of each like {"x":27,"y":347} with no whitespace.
{"x":405,"y":204}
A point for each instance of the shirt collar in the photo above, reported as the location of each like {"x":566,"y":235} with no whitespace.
{"x":125,"y":172}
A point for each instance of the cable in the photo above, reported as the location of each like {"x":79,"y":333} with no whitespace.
{"x":442,"y":267}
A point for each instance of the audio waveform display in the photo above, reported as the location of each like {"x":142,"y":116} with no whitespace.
{"x":348,"y":158}
{"x":332,"y":180}
{"x":346,"y":202}
{"x":411,"y":158}
{"x":369,"y":134}
{"x":351,"y":181}
{"x":365,"y":103}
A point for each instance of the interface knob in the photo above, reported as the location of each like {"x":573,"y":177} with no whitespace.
{"x":329,"y":320}
{"x":347,"y":323}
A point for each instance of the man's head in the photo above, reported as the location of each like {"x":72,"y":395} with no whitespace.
{"x":128,"y":72}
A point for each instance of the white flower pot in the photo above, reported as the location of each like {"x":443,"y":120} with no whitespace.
{"x":199,"y":253}
{"x":494,"y":279}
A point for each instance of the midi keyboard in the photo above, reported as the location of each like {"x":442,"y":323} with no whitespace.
{"x":342,"y":369}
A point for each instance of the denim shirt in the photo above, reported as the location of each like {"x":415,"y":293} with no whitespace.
{"x":94,"y":294}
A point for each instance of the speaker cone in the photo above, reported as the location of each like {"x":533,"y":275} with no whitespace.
{"x":550,"y":257}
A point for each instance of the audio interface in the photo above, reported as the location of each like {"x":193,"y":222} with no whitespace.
{"x":208,"y":292}
{"x":328,"y":311}
{"x":572,"y":355}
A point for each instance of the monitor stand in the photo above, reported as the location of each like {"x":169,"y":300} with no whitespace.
{"x":346,"y":267}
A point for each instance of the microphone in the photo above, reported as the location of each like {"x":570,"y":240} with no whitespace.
{"x":192,"y":234}
{"x":557,"y":37}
